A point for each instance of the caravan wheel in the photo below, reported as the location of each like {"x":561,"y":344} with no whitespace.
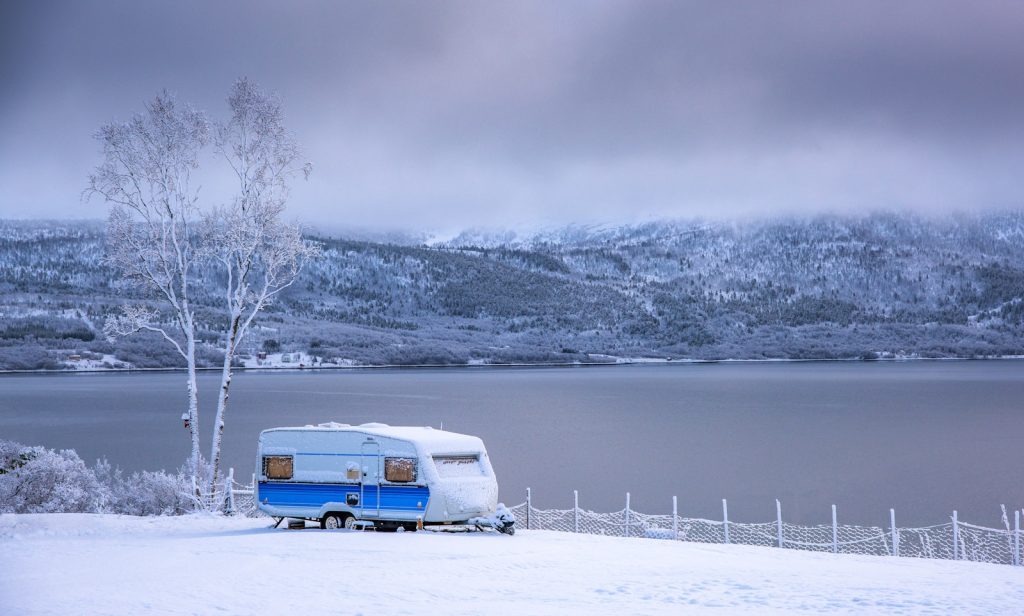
{"x":350,"y":522}
{"x":333,"y":521}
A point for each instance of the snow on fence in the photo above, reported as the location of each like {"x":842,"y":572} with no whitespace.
{"x":239,"y":497}
{"x":953,"y":540}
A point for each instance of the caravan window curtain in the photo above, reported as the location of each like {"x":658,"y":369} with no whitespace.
{"x":399,"y":470}
{"x":278,"y":467}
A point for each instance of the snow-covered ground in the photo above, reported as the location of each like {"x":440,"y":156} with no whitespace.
{"x":103,"y":564}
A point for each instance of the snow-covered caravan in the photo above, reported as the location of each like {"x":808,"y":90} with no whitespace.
{"x":389,"y":476}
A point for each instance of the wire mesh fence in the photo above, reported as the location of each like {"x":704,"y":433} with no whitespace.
{"x":954,"y":540}
{"x":241,"y":498}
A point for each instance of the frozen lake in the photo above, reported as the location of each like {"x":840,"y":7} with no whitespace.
{"x":923,"y":437}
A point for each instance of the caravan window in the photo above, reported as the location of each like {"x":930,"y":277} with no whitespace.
{"x":400,"y":470}
{"x":277,"y":467}
{"x":458,"y":466}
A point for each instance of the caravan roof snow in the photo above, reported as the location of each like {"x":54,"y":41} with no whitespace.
{"x":427,"y":438}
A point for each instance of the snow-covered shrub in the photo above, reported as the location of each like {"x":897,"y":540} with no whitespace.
{"x":40,"y":480}
{"x":12,"y":456}
{"x":160,"y":493}
{"x":144,"y":493}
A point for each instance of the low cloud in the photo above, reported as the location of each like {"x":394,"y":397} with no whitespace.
{"x":457,"y":114}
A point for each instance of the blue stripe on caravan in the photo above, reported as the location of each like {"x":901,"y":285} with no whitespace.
{"x":368,"y":455}
{"x":400,"y":498}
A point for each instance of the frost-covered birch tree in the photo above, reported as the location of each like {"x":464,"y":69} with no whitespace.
{"x":259,"y":252}
{"x":152,"y":234}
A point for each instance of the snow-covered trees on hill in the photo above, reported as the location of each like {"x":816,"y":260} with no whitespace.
{"x":832,"y":287}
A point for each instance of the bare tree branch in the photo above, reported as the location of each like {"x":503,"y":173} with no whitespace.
{"x":134,"y":319}
{"x":146,"y":177}
{"x":262,"y":255}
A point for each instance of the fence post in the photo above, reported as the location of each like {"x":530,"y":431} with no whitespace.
{"x":778,"y":517}
{"x":627,"y":514}
{"x":725,"y":519}
{"x":575,"y":511}
{"x":895,"y":533}
{"x":528,"y":507}
{"x":1016,"y":537}
{"x":956,"y":538}
{"x":675,"y":518}
{"x":835,"y":532}
{"x":230,"y":487}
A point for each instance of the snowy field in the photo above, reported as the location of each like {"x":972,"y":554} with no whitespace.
{"x":103,"y":564}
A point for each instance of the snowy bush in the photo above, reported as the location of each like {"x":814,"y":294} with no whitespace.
{"x":40,"y":480}
{"x":143,"y":493}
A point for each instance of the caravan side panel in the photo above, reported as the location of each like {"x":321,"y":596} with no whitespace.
{"x":328,"y":467}
{"x":311,"y":497}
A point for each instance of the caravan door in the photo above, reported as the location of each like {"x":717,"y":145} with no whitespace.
{"x":369,"y":488}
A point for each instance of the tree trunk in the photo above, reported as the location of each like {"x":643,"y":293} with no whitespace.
{"x":222,"y":404}
{"x":193,"y":416}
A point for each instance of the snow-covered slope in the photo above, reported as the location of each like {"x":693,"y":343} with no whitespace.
{"x":102,"y":564}
{"x":831,"y":287}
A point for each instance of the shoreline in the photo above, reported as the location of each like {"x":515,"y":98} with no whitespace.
{"x":637,"y":361}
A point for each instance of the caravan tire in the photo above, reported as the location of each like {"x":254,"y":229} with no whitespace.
{"x":350,"y":522}
{"x":333,"y":521}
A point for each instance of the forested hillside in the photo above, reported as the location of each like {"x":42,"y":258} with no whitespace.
{"x":827,"y":287}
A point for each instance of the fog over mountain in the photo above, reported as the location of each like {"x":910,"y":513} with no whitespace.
{"x":454,"y":114}
{"x":827,"y":287}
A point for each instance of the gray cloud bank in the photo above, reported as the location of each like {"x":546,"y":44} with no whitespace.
{"x":452,"y":114}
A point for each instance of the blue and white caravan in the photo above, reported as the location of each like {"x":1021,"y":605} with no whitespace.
{"x":388,"y":477}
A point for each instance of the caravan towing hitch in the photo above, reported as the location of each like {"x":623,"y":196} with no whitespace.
{"x":502,"y":521}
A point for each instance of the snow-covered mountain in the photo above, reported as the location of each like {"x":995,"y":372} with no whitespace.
{"x":825,"y":287}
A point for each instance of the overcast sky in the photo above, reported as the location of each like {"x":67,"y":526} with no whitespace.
{"x":442,"y":115}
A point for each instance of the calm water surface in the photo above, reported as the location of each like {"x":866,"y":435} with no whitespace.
{"x":923,"y":437}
